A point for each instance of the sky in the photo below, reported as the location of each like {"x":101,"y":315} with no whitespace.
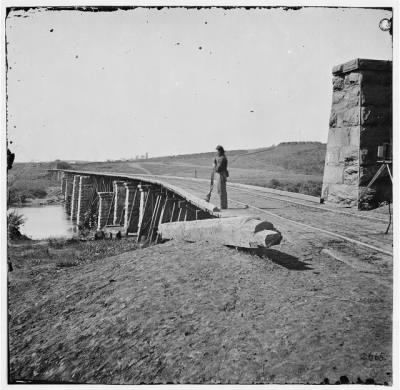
{"x":110,"y":85}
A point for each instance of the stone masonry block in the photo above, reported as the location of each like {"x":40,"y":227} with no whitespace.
{"x":349,"y":154}
{"x":338,"y":137}
{"x":337,"y":97}
{"x":338,"y":83}
{"x":350,"y":99}
{"x":333,"y":174}
{"x":351,"y":117}
{"x":333,"y":119}
{"x":355,"y":135}
{"x":350,"y":174}
{"x":332,"y":155}
{"x":345,"y":194}
{"x":353,"y":78}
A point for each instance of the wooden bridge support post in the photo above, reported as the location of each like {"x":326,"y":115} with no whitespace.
{"x":119,"y":200}
{"x":158,"y":213}
{"x":75,"y":196}
{"x":182,"y":205}
{"x":130,"y":195}
{"x":84,"y":197}
{"x":105,"y":202}
{"x":144,"y":196}
{"x":191,"y":214}
{"x":175,"y":210}
{"x":167,"y":209}
{"x":69,"y":182}
{"x":134,"y":212}
{"x":63,"y":184}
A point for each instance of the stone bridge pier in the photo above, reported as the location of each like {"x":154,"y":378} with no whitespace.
{"x":360,"y":121}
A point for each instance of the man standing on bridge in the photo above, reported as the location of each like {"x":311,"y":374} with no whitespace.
{"x":221,"y":175}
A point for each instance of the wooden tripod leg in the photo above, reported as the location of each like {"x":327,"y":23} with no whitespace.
{"x":379,"y":171}
{"x":390,"y":220}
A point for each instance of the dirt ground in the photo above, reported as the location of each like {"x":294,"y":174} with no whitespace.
{"x":199,"y":313}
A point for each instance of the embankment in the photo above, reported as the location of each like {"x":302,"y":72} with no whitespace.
{"x":196,"y":313}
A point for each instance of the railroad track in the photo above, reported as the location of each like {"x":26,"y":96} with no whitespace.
{"x":325,"y":209}
{"x":263,"y":193}
{"x":324,"y":231}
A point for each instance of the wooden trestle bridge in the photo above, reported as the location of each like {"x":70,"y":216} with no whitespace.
{"x":147,"y":206}
{"x":150,"y":209}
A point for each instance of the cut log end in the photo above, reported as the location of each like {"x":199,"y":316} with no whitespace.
{"x":268,"y":238}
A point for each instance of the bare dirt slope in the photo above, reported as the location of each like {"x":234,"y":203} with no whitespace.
{"x":197,"y":313}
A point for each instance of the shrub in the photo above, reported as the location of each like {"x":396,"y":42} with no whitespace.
{"x":62,"y":165}
{"x":14,"y":223}
{"x":21,"y":190}
{"x":309,"y":187}
{"x":274,"y":183}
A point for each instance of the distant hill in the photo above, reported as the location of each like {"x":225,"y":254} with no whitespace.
{"x":302,"y":157}
{"x":291,"y":166}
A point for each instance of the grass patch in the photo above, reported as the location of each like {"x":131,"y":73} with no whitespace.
{"x":62,"y":253}
{"x":309,"y":187}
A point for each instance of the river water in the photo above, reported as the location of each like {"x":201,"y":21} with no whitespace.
{"x":46,"y":221}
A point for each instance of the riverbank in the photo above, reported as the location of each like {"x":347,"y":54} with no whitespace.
{"x":32,"y":184}
{"x":194,"y":313}
{"x":53,"y":197}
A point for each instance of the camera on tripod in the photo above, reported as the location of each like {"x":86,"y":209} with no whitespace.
{"x":385,"y":153}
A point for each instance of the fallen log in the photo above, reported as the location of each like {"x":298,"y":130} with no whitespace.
{"x":243,"y":232}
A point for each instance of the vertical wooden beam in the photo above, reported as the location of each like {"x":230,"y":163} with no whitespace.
{"x":63,"y":184}
{"x":69,"y":181}
{"x":133,"y":221}
{"x":75,"y":197}
{"x":144,"y":192}
{"x":130,"y":190}
{"x":153,"y":220}
{"x":105,"y":202}
{"x":119,"y":199}
{"x":84,"y":198}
